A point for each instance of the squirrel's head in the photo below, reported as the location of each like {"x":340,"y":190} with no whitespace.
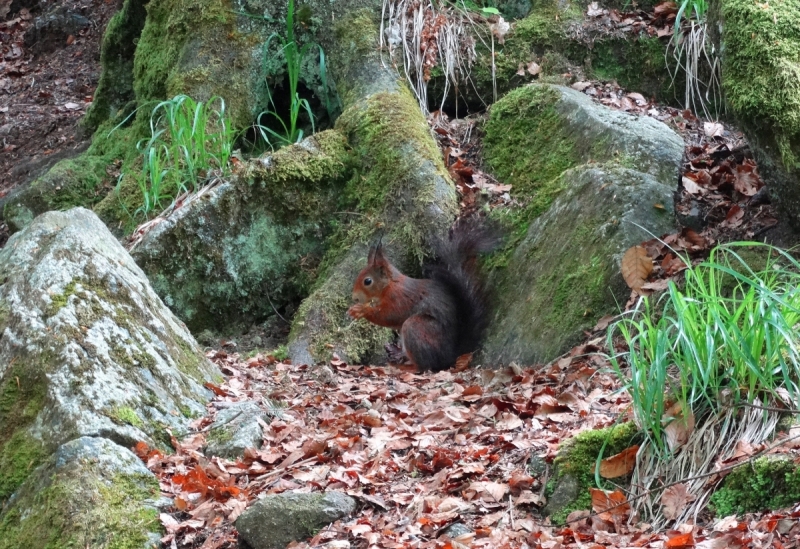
{"x":374,"y":278}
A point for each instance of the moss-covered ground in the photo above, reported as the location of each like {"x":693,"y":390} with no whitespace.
{"x":765,"y":484}
{"x":578,"y":457}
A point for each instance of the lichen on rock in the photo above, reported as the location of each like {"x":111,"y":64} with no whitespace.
{"x":90,"y":493}
{"x":88,"y":348}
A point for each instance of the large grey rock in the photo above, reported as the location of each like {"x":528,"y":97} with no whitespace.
{"x":234,"y":430}
{"x":87,"y":347}
{"x":250,"y":245}
{"x":566,"y":274}
{"x":597,"y":182}
{"x":89,"y":490}
{"x":275,"y":521}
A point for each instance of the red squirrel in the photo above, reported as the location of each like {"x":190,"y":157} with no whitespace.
{"x":440,"y":317}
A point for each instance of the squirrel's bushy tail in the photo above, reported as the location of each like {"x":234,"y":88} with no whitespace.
{"x":456,"y":267}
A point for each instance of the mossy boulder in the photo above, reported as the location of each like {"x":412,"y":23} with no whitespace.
{"x":590,"y":183}
{"x":115,"y":88}
{"x":273,"y":522}
{"x":71,"y":182}
{"x":760,"y":48}
{"x":88,"y":348}
{"x":400,"y":189}
{"x":253,"y":244}
{"x":575,"y":464}
{"x":90,"y":493}
{"x":768,"y":483}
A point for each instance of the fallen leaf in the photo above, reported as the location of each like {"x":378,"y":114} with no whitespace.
{"x":680,"y":541}
{"x":665,"y":8}
{"x":500,"y":29}
{"x":594,"y":10}
{"x":674,"y":500}
{"x":636,"y":267}
{"x":526,"y":497}
{"x":734,"y":217}
{"x":609,"y":504}
{"x":691,"y":187}
{"x":580,"y":86}
{"x":533,"y":68}
{"x":713,"y":129}
{"x":678,"y":426}
{"x":747,"y":180}
{"x":619,"y":465}
{"x":725,"y":524}
{"x":638,"y":97}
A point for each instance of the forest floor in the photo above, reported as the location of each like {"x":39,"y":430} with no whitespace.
{"x":48,"y":74}
{"x":421,"y":452}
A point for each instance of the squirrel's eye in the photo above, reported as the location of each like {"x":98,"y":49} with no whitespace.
{"x":367,"y":281}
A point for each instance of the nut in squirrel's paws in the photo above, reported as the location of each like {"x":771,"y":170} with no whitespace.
{"x":356,"y":311}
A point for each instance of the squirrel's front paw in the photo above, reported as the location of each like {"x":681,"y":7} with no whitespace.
{"x":356,"y":311}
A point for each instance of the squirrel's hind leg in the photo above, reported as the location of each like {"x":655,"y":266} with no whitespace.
{"x":426,"y":343}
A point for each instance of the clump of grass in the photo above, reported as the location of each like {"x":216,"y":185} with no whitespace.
{"x":188,"y":140}
{"x":717,"y":351}
{"x":293,"y":56}
{"x":727,"y":338}
{"x":694,"y":55}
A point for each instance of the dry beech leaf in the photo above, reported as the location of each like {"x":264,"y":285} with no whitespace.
{"x":620,"y":464}
{"x":713,"y":129}
{"x":674,"y":500}
{"x":747,"y":180}
{"x":636,"y":267}
{"x":680,"y":541}
{"x":608,"y":504}
{"x":679,"y":426}
{"x":691,"y":187}
{"x":734,"y":217}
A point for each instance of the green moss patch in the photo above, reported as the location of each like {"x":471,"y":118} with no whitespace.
{"x":22,"y":397}
{"x":528,"y":146}
{"x":761,"y":69}
{"x":76,"y":511}
{"x":578,"y":457}
{"x":115,"y":88}
{"x":127,"y":415}
{"x":765,"y":484}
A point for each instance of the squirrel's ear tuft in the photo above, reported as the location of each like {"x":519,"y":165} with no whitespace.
{"x":376,"y":253}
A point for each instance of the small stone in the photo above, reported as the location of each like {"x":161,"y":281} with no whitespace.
{"x":275,"y":521}
{"x":235,"y":429}
{"x":454,"y":530}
